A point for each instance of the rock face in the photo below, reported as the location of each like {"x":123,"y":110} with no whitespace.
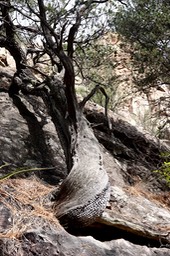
{"x":137,"y":221}
{"x":148,"y":111}
{"x":28,"y":138}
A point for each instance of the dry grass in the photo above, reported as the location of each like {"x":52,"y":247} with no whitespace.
{"x":139,"y":189}
{"x":29,"y":203}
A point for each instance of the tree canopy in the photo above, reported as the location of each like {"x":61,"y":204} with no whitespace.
{"x":146,"y":24}
{"x":55,"y":29}
{"x":65,"y":31}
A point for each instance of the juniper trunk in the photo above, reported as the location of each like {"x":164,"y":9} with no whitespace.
{"x":85,"y":192}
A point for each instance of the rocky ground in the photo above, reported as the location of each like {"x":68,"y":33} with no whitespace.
{"x":137,"y":219}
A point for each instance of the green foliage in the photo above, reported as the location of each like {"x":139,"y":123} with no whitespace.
{"x":96,"y":65}
{"x":76,"y":27}
{"x":146,"y":24}
{"x":164,"y":171}
{"x":62,"y":14}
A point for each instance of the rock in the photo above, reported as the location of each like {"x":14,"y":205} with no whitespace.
{"x":28,"y":138}
{"x":138,"y":213}
{"x":5,"y":218}
{"x":7,"y":59}
{"x":59,"y":242}
{"x":137,"y":221}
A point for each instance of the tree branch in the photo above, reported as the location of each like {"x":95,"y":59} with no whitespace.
{"x":71,"y":36}
{"x":28,"y":28}
{"x":10,"y":43}
{"x":91,"y":94}
{"x":122,"y":2}
{"x":69,"y":77}
{"x":47,"y":29}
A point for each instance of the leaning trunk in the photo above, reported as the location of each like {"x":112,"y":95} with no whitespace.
{"x":85,"y":192}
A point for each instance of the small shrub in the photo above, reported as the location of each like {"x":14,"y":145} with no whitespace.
{"x":164,"y":171}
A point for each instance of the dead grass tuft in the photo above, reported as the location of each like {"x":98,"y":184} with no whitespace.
{"x":139,"y":189}
{"x":29,"y":203}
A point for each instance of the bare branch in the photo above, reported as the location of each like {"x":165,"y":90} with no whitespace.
{"x":89,"y":96}
{"x":37,"y":70}
{"x":106,"y":102}
{"x":61,"y":35}
{"x":71,"y":36}
{"x":47,"y":29}
{"x":10,"y":43}
{"x":24,"y":14}
{"x":28,"y":28}
{"x":122,"y":2}
{"x":69,"y":76}
{"x":99,"y":1}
